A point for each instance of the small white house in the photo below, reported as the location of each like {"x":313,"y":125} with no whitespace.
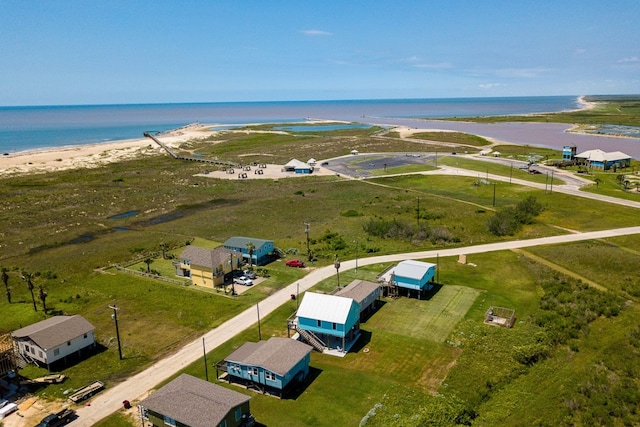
{"x":295,"y":165}
{"x":55,"y":339}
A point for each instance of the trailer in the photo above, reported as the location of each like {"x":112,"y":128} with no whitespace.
{"x":87,"y":391}
{"x":47,"y":379}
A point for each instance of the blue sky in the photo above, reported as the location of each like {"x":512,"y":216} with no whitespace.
{"x":89,"y":52}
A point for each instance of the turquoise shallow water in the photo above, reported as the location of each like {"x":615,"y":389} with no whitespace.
{"x":27,"y":128}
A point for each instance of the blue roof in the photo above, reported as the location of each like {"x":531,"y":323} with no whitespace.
{"x":241,"y":242}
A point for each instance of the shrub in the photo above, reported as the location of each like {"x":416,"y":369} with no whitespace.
{"x":350,"y":213}
{"x":507,"y":221}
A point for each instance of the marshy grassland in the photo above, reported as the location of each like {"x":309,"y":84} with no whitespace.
{"x":571,"y":358}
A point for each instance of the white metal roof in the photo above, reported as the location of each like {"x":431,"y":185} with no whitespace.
{"x":412,"y":269}
{"x":297,"y":164}
{"x":329,"y":308}
{"x":601,"y":156}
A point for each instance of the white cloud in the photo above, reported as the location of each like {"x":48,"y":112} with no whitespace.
{"x":489,"y":85}
{"x":629,"y":59}
{"x":580,"y":51}
{"x":439,"y":65}
{"x":316,"y":33}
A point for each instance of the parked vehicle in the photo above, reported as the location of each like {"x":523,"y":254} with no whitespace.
{"x":243,"y":280}
{"x":295,"y":263}
{"x":250,"y":274}
{"x":7,"y":408}
{"x":55,"y":420}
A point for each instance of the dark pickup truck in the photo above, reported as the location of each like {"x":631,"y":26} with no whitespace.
{"x":61,"y":418}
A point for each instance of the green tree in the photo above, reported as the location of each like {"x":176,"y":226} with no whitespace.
{"x":28,"y":278}
{"x":251,"y":248}
{"x":5,"y":280}
{"x":528,"y":209}
{"x":164,"y":247}
{"x":504,"y":223}
{"x":42,"y":294}
{"x":597,"y":181}
{"x":148,"y":261}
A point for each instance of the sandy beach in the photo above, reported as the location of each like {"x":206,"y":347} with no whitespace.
{"x":94,"y":155}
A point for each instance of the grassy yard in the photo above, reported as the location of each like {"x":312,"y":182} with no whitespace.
{"x":425,"y":357}
{"x":487,"y":167}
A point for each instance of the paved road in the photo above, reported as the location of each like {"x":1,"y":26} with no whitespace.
{"x":133,"y":388}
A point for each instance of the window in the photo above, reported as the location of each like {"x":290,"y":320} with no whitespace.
{"x":335,"y":326}
{"x":223,"y":423}
{"x":56,"y":351}
{"x":68,"y":342}
{"x":254,"y":371}
{"x":85,"y":336}
{"x":319,"y":322}
{"x":169,"y":421}
{"x":238,"y":413}
{"x":40,"y":353}
{"x":270,"y":376}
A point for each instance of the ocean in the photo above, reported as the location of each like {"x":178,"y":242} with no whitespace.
{"x":37,"y":127}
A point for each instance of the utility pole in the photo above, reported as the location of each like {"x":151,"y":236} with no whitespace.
{"x":306,"y":231}
{"x":494,"y":194}
{"x":510,"y":172}
{"x":259,"y":332}
{"x":114,"y":316}
{"x":206,"y":368}
{"x":546,"y":183}
{"x":356,"y":255}
{"x":551,"y":188}
{"x":233,"y":286}
{"x":418,"y":213}
{"x":336,"y":264}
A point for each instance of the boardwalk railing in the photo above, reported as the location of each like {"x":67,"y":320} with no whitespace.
{"x":173,"y":154}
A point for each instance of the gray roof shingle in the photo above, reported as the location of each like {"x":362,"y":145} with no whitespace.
{"x":358,"y":290}
{"x":278,"y":355}
{"x":194,"y":402}
{"x":55,"y":331}
{"x":210,"y":258}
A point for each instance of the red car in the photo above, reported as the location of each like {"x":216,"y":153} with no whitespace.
{"x":295,"y":263}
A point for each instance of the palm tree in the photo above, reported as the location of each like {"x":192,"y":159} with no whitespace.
{"x":28,"y":277}
{"x":5,"y":280}
{"x":164,"y":247}
{"x":42,"y":294}
{"x":148,"y":261}
{"x":251,"y":247}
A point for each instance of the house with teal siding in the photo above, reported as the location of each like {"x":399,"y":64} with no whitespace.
{"x":414,"y":276}
{"x":273,"y":366}
{"x":332,"y":320}
{"x":262,"y":252}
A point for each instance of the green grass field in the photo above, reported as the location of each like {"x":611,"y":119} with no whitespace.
{"x":426,"y":359}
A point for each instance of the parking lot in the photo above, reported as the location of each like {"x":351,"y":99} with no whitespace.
{"x":365,"y":165}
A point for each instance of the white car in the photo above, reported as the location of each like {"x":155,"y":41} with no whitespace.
{"x":243,"y":280}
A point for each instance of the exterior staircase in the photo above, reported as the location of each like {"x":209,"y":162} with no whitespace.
{"x":312,"y":339}
{"x":23,"y":360}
